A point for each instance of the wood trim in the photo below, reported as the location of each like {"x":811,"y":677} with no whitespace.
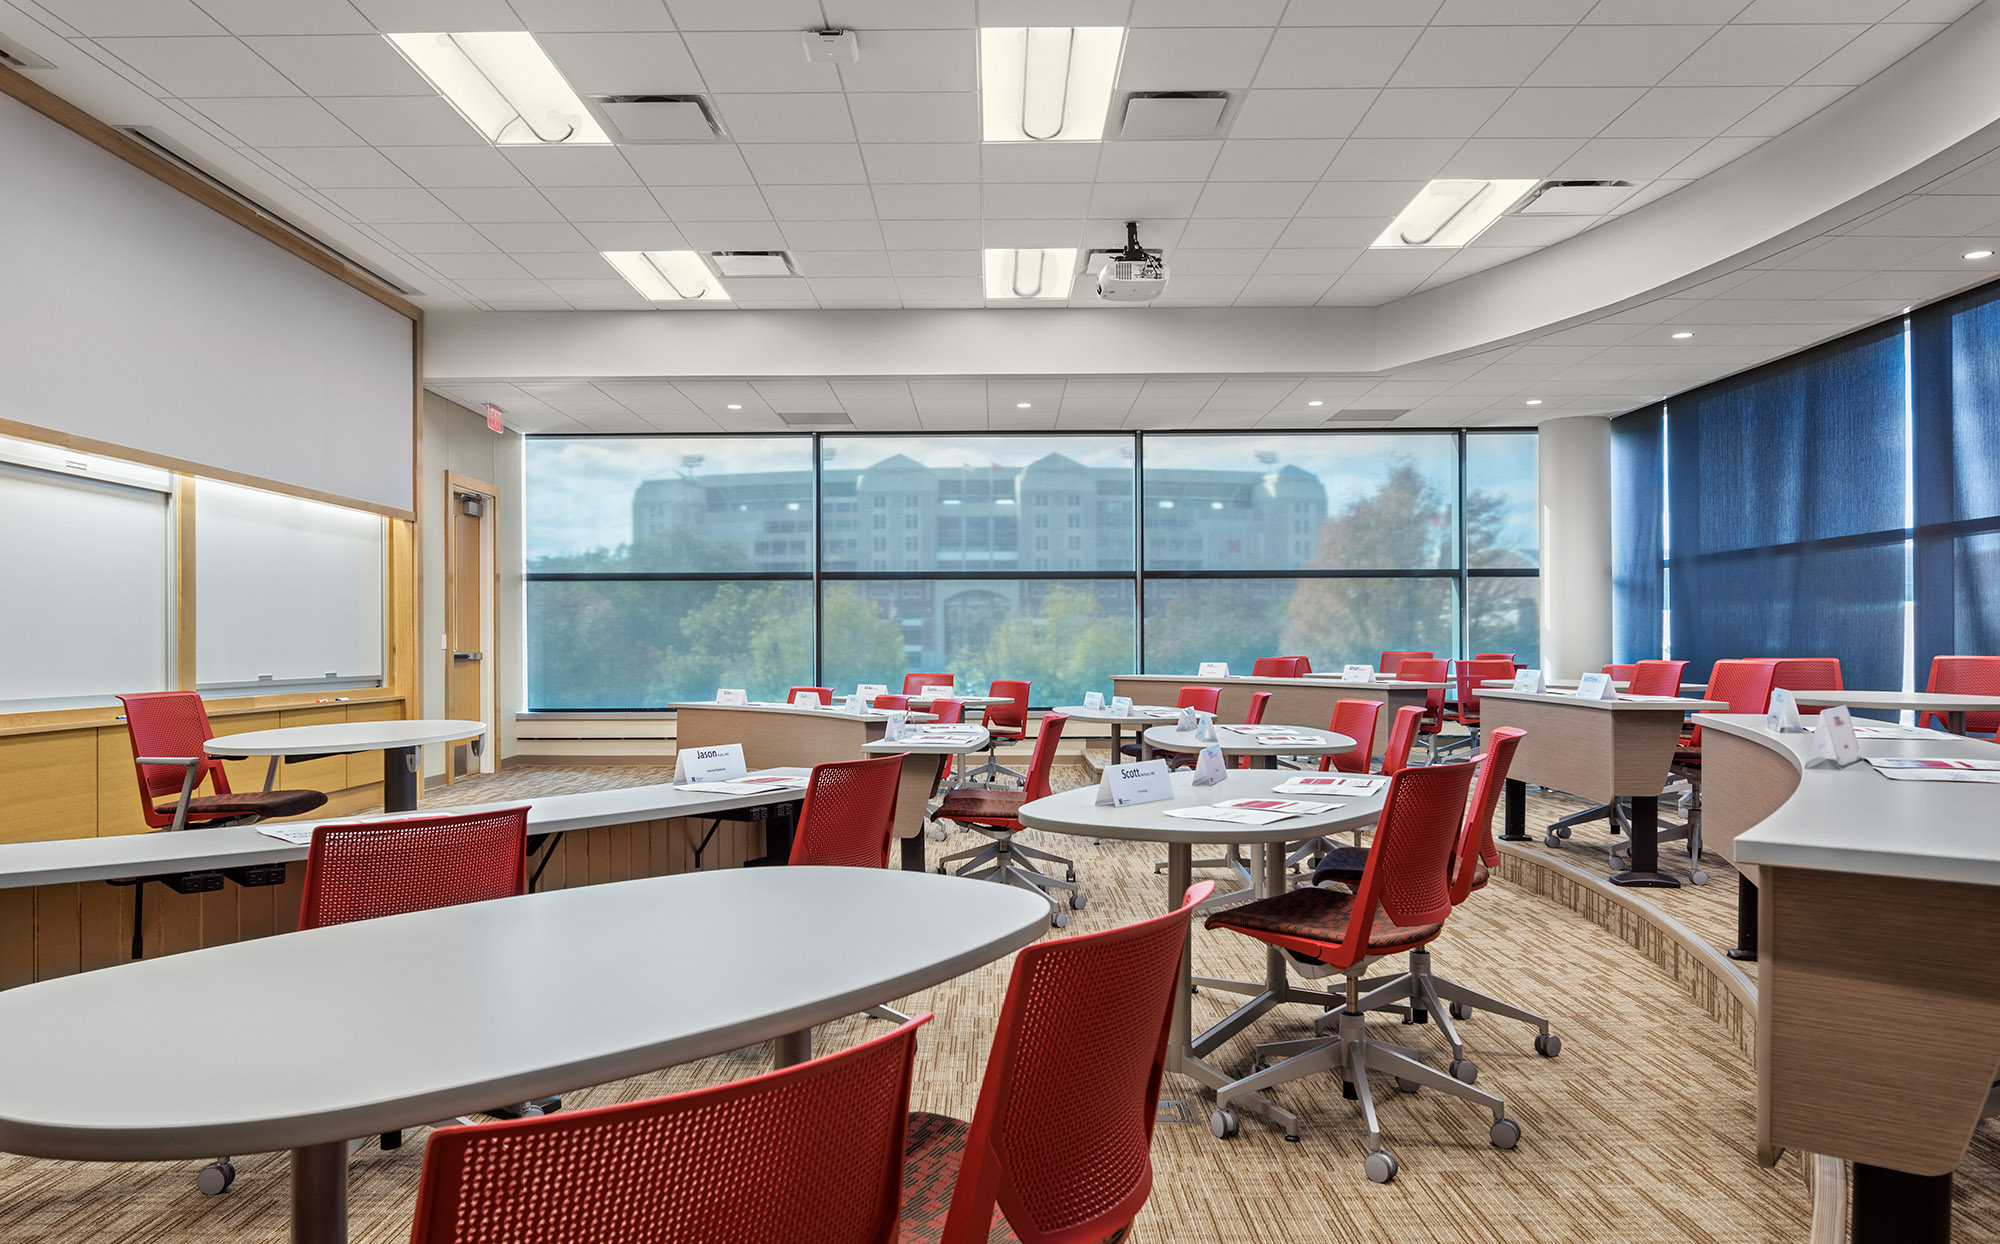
{"x":454,"y":482}
{"x":403,"y":670}
{"x":233,"y":706}
{"x":82,"y":124}
{"x":184,"y":583}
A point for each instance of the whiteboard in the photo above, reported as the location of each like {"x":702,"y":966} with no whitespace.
{"x":285,"y":589}
{"x":137,"y":316}
{"x":85,"y":585}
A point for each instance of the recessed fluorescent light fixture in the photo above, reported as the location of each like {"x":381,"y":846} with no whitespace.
{"x":1452,"y":212}
{"x":735,"y":406}
{"x":668,"y":276}
{"x":1030,"y":273}
{"x":1041,"y":84}
{"x":504,"y":84}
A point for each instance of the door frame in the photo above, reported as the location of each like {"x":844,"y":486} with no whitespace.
{"x":455,"y":484}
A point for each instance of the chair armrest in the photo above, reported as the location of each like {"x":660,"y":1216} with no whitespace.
{"x":183,"y":761}
{"x":193,"y":775}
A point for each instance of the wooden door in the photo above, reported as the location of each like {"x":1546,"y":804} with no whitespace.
{"x":470,"y":688}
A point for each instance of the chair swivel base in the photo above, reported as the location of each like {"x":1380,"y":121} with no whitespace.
{"x":1420,"y":994}
{"x":1000,"y":859}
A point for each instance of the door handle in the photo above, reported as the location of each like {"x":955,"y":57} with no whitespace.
{"x":468,"y":656}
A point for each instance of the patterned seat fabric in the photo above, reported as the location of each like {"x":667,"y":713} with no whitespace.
{"x":1321,"y":916}
{"x":966,"y":804}
{"x":258,"y":803}
{"x":931,"y":1157}
{"x":1346,"y":863}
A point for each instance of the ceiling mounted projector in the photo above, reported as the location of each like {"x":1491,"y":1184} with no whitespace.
{"x":1134,"y":274}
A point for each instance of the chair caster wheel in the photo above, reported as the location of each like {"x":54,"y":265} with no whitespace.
{"x":1406,"y":1086}
{"x":1060,"y":919}
{"x":1381,"y":1166}
{"x":1698,"y":877}
{"x":1550,"y":840}
{"x":216,"y":1177}
{"x":1069,"y":874}
{"x":937,"y":834}
{"x":1548,"y":1044}
{"x":1291,"y":1138}
{"x":1224,"y":1123}
{"x":1505,"y":1134}
{"x":1464,"y":1070}
{"x":1158,"y":869}
{"x":1460,"y":1011}
{"x":1078,"y":900}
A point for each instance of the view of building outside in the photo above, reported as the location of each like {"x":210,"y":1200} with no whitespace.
{"x":662,"y":568}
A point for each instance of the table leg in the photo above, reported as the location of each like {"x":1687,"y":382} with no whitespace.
{"x":913,"y":852}
{"x":1893,"y":1207}
{"x":1514,"y":820}
{"x":399,"y":779}
{"x":1180,"y":875}
{"x":1645,"y":848}
{"x":1117,"y":741}
{"x":792,"y":1049}
{"x":319,"y":1194}
{"x":1745,"y":949}
{"x":1955,"y":722}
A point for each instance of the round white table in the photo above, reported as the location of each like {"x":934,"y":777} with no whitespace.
{"x":252,"y":1047}
{"x":1141,"y":717}
{"x":1248,"y":741}
{"x":1952,"y":706}
{"x":1077,"y":812}
{"x":398,"y":742}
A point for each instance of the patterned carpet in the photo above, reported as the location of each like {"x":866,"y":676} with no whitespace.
{"x":1641,"y":1131}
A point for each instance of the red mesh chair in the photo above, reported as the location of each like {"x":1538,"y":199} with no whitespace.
{"x":1428,"y":669}
{"x":1392,"y":662}
{"x":1006,"y":723}
{"x":1508,"y":657}
{"x":1305,"y":666}
{"x":1807,"y":674}
{"x":1618,"y":673}
{"x":891,"y":703}
{"x":167,"y":729}
{"x":1277,"y":667}
{"x":913,"y":683}
{"x":1402,"y":736}
{"x":1964,"y":676}
{"x":948,"y":712}
{"x":1656,"y":678}
{"x":811,"y":1154}
{"x":994,"y":813}
{"x":1061,"y":1140}
{"x":1746,"y":687}
{"x":1254,"y":716}
{"x":849,"y":815}
{"x":1355,"y":719}
{"x":1400,"y":905}
{"x":823,"y":694}
{"x":1469,"y":676}
{"x":1200,"y":699}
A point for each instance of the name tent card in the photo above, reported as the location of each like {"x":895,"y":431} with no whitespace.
{"x":1187,"y":720}
{"x":898,"y":726}
{"x":1783,"y":717}
{"x":855,"y":704}
{"x":709,"y":764}
{"x":732,"y":695}
{"x":869,"y":690}
{"x":1596,"y":687}
{"x":1145,"y":782}
{"x":1833,"y":742}
{"x":805,"y":699}
{"x":1121,"y":706}
{"x":1204,"y":728}
{"x":1093,"y":699}
{"x":1210,"y":768}
{"x":1213,"y":669}
{"x":1357,"y":673}
{"x":1531,"y":680}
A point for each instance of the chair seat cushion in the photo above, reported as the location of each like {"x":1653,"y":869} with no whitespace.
{"x":1346,"y":863}
{"x":259,"y":803}
{"x":980,"y":806}
{"x":932,"y":1154}
{"x":1316,"y":915}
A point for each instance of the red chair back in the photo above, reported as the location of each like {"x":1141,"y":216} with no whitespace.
{"x":1656,"y":677}
{"x":892,"y":703}
{"x":849,"y":814}
{"x":1478,"y":842}
{"x":1743,"y":685}
{"x":1277,"y":667}
{"x":1409,"y":870}
{"x":948,"y":712}
{"x":1200,"y":699}
{"x":1807,"y":674}
{"x":1508,"y":657}
{"x":1043,"y":761}
{"x":369,"y":869}
{"x":913,"y":683}
{"x":1012,"y":717}
{"x":1255,"y":717}
{"x":1427,"y":669}
{"x":806,"y":1153}
{"x":825,"y":695}
{"x":1470,"y":675}
{"x":1955,"y":675}
{"x":1305,"y":666}
{"x":1061,"y":1140}
{"x":1392,"y":662}
{"x":1402,"y":733}
{"x":1355,"y":719}
{"x":1619,"y":673}
{"x":165,"y":724}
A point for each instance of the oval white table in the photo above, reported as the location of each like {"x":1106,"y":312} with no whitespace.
{"x":398,"y":742}
{"x":1142,"y":716}
{"x":1248,"y":741}
{"x":252,"y":1047}
{"x":1077,"y":812}
{"x":1953,"y":707}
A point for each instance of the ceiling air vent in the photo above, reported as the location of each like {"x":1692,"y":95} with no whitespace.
{"x":815,"y":419}
{"x":1173,"y":114}
{"x":753,"y":263}
{"x":1576,"y":198}
{"x":1365,"y":416}
{"x":12,"y":53}
{"x":659,"y":118}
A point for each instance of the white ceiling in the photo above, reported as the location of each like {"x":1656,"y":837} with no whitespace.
{"x":873,"y":176}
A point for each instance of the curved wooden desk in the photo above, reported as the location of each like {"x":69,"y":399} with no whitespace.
{"x":1878,"y":1027}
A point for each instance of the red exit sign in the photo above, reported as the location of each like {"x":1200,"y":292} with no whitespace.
{"x":495,"y":419}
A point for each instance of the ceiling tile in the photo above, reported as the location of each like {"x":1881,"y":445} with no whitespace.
{"x":624,"y":64}
{"x":1308,"y":262}
{"x":201,"y":66}
{"x":1391,"y":159}
{"x":439,"y":238}
{"x":1871,"y":52}
{"x":1193,"y":59}
{"x":1157,"y":161}
{"x":713,"y":202}
{"x":1760,"y":55}
{"x":921,"y":162}
{"x":588,"y":15}
{"x":1512,"y":12}
{"x":606,"y":203}
{"x":1431,"y":112}
{"x":102,"y":18}
{"x":392,"y":206}
{"x":1252,"y":198}
{"x":1302,"y":113}
{"x":500,"y":206}
{"x":1510,"y":157}
{"x":556,"y":165}
{"x":905,"y":201}
{"x":832,"y":235}
{"x":805,"y":163}
{"x":459,"y":267}
{"x":719,"y":235}
{"x":520,"y":239}
{"x":1138,"y":200}
{"x":1274,"y":159}
{"x":789,"y":15}
{"x":1627,"y":159}
{"x":1353,"y":57}
{"x":1233,"y":231}
{"x":688,"y":164}
{"x":816,"y":264}
{"x":820,"y":202}
{"x":757,"y":60}
{"x":405,"y":120}
{"x":936,"y":235}
{"x":286,"y":17}
{"x":288,"y":121}
{"x":1329,"y":231}
{"x":1789,"y":107}
{"x":456,"y":166}
{"x":1618,"y":55}
{"x":1360,"y":199}
{"x":784,"y":119}
{"x":633,"y":236}
{"x":1361,"y":12}
{"x":562,"y":266}
{"x":338,"y":167}
{"x":917,"y":118}
{"x":427,"y":15}
{"x":1039,"y":161}
{"x":899,"y":14}
{"x":1688,"y":111}
{"x":934,"y":263}
{"x":1476,"y":55}
{"x":1559,"y":111}
{"x":912,"y":60}
{"x":324,"y":65}
{"x":1033,"y":234}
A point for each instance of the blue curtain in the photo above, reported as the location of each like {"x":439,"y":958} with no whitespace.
{"x":1638,"y":579}
{"x":1785,"y":490}
{"x":1955,"y":370}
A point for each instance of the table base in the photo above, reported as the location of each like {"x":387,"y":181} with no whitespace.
{"x":399,"y":779}
{"x":319,"y":1194}
{"x":1891,"y":1207}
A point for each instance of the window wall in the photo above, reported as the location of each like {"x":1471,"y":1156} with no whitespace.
{"x":660,"y":568}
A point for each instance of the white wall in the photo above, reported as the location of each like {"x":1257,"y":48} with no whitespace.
{"x":1574,"y":457}
{"x":455,"y":439}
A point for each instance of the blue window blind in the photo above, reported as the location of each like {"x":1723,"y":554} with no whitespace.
{"x":1955,"y":357}
{"x":1786,"y":500}
{"x":1638,"y":580}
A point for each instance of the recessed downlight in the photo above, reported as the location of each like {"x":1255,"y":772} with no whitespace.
{"x":1682,"y":336}
{"x":1534,"y":401}
{"x":734,"y":406}
{"x":1024,"y":405}
{"x":1980,"y":254}
{"x":1315,"y":403}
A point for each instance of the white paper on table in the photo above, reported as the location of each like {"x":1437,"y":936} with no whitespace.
{"x":709,"y":764}
{"x":732,"y":695}
{"x":297,"y":835}
{"x":1328,"y":784}
{"x":1232,"y":816}
{"x":1898,"y":732}
{"x":1210,"y":768}
{"x":747,"y":785}
{"x":1290,"y":807}
{"x":1833,"y":742}
{"x":1936,"y":769}
{"x":1144,"y":782}
{"x":1284,"y":737}
{"x":1213,"y":669}
{"x":1093,"y":699}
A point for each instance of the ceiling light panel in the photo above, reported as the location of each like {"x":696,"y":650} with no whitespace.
{"x":1451,"y":212}
{"x":1028,"y":273}
{"x":668,"y":276}
{"x":504,"y":84}
{"x":1047,"y":83}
